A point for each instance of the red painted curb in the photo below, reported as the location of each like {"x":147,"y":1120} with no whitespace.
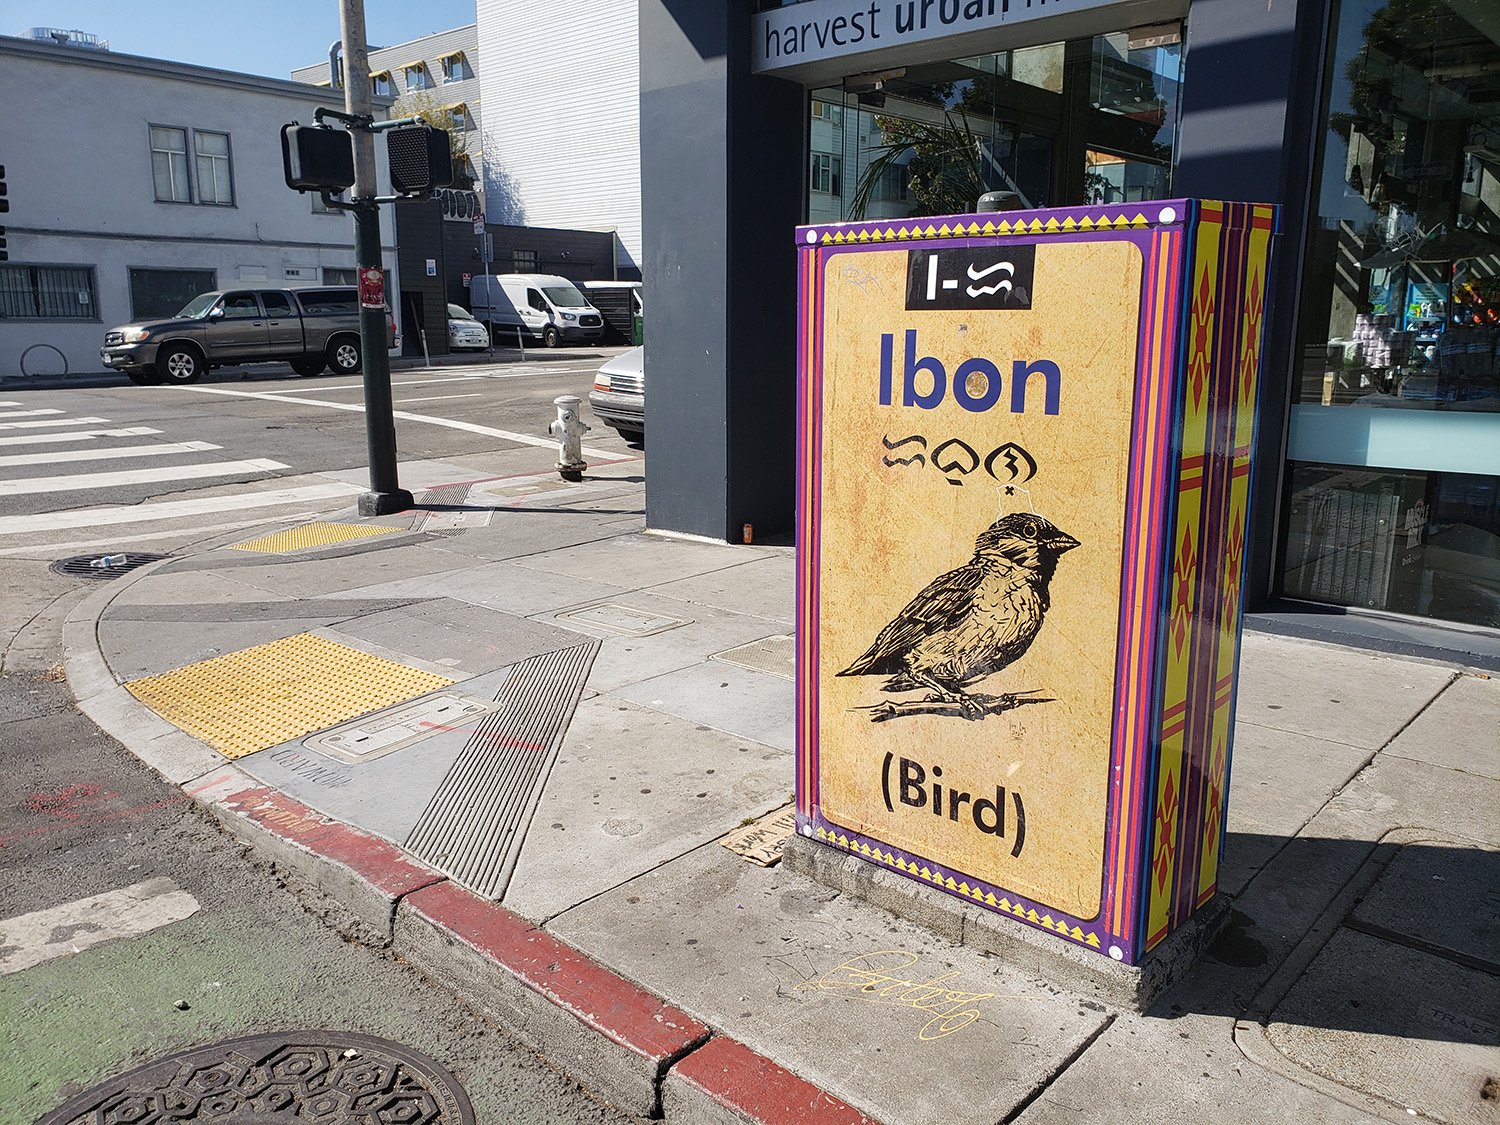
{"x":726,"y":1072}
{"x":601,"y":999}
{"x":380,"y":863}
{"x":755,"y":1089}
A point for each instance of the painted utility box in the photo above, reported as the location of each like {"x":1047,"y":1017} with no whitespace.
{"x":1024,"y":453}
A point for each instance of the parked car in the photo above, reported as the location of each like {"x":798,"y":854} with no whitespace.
{"x":546,"y":307}
{"x":464,"y":331}
{"x":312,"y":329}
{"x":619,"y":395}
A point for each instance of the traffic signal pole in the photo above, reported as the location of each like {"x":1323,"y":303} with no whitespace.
{"x":386,"y":494}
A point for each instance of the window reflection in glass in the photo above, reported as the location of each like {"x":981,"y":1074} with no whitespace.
{"x":1393,"y":497}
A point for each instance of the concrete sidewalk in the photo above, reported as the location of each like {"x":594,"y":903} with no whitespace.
{"x":568,"y":715}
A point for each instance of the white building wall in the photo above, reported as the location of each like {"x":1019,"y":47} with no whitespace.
{"x":81,"y":188}
{"x":561,"y":90}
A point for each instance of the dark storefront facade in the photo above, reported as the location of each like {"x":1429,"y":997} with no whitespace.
{"x":440,"y":248}
{"x":1374,"y":123}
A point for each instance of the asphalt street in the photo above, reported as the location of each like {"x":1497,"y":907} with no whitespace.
{"x":212,"y":945}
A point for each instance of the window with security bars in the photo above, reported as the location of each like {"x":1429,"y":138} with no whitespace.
{"x":523,"y":261}
{"x":47,"y":293}
{"x":169,"y":164}
{"x":215,"y":184}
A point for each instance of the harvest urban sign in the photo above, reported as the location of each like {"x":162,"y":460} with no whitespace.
{"x":827,"y":29}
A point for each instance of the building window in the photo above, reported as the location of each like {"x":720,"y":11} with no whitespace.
{"x":825,"y":173}
{"x":417,"y":77}
{"x":215,"y":184}
{"x":456,"y":67}
{"x":339,"y":275}
{"x":523,"y":261}
{"x":155,"y":293}
{"x":1392,"y":494}
{"x":169,"y":164}
{"x":827,"y":111}
{"x":380,"y":84}
{"x":47,"y":293}
{"x":459,"y":114}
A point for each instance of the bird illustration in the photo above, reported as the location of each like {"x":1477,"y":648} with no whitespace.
{"x":971,"y":622}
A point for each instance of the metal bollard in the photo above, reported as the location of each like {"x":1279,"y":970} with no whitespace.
{"x":569,"y":429}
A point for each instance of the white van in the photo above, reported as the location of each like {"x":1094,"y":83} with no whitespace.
{"x":544,"y":306}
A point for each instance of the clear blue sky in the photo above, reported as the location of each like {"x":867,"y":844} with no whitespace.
{"x":266,"y":37}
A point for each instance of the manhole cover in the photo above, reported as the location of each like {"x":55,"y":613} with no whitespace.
{"x":103,"y":566}
{"x":776,"y":655}
{"x":623,"y":620}
{"x":307,"y":1077}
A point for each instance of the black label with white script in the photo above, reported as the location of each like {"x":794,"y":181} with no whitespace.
{"x":978,"y":277}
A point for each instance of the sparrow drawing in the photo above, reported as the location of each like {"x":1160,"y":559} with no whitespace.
{"x":970,"y":623}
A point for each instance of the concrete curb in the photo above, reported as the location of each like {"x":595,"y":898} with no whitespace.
{"x":724,"y":1081}
{"x":358,"y":878}
{"x":614,"y":1036}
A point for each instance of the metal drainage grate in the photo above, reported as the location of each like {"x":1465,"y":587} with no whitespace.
{"x":100,"y":567}
{"x":302,"y":1077}
{"x":475,"y":824}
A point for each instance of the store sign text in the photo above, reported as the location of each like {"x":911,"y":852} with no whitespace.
{"x":827,"y":29}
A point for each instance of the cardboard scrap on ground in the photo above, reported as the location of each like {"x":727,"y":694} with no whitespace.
{"x":760,"y":842}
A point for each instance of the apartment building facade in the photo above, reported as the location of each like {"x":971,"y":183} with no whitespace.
{"x":169,"y":184}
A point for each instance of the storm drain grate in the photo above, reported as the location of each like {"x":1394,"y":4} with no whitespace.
{"x":453,"y":515}
{"x":99,"y":567}
{"x":306,"y":1077}
{"x":476,"y":822}
{"x":776,"y":655}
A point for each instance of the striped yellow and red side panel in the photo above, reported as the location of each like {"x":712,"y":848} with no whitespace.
{"x":1181,"y":624}
{"x":1201,"y":642}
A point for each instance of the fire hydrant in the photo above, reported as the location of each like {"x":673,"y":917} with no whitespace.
{"x":569,"y":429}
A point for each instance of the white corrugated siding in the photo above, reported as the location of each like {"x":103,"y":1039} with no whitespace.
{"x":561,"y":90}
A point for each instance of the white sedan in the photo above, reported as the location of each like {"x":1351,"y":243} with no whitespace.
{"x":464,"y":331}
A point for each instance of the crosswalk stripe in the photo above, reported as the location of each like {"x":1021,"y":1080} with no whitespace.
{"x":450,"y":423}
{"x":51,"y":422}
{"x":113,"y":539}
{"x":61,"y":457}
{"x":174,"y":509}
{"x":77,"y":435}
{"x":28,"y":413}
{"x":7,"y":402}
{"x":77,"y":481}
{"x":59,"y":931}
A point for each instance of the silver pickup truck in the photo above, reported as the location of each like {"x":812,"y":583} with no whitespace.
{"x":312,"y":329}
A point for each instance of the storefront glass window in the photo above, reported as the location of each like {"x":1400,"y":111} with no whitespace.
{"x":1392,"y":500}
{"x":1090,"y":120}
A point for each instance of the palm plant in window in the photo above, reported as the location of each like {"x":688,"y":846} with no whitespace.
{"x":943,"y":164}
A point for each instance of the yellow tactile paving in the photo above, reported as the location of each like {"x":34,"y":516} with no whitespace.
{"x":310,"y":535}
{"x":263,"y":696}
